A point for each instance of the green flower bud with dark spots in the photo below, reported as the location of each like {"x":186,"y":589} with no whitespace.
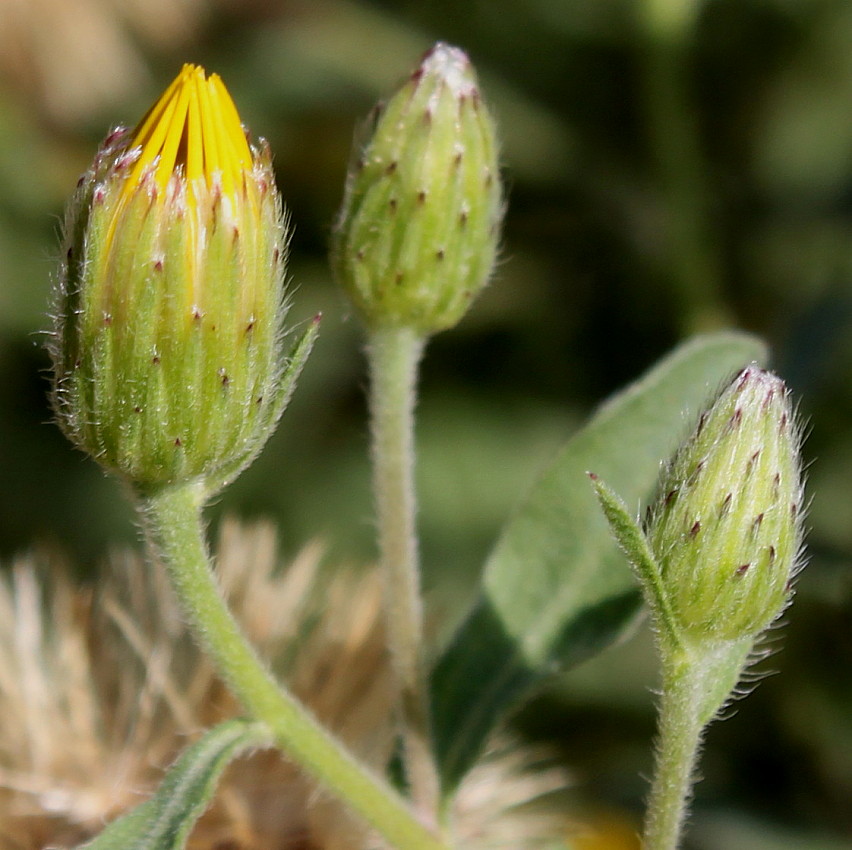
{"x":417,"y":235}
{"x":167,"y":348}
{"x":726,"y":530}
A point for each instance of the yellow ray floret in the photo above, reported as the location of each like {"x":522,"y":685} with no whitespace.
{"x":193,"y":128}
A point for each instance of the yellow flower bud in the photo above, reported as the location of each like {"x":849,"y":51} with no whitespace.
{"x":167,"y":345}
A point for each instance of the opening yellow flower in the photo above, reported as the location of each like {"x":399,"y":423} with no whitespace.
{"x":168,"y":342}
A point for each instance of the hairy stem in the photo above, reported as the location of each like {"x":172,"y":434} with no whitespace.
{"x":172,"y":519}
{"x":679,"y":739}
{"x":394,"y":355}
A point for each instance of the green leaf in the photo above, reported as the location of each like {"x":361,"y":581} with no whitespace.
{"x":164,"y":822}
{"x":556,"y":590}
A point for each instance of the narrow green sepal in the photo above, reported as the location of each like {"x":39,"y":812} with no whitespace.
{"x":284,"y":389}
{"x":294,"y":363}
{"x":630,"y":537}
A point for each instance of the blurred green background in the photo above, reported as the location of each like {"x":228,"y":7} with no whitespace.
{"x":671,"y":167}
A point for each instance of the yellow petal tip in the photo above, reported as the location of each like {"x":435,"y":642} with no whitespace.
{"x":192,"y":130}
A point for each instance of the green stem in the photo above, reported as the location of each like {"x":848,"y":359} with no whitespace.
{"x":679,"y":739}
{"x":394,"y":355}
{"x":172,"y":518}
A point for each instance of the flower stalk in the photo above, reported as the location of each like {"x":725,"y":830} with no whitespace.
{"x":394,"y":355}
{"x":678,"y":742}
{"x":172,"y":520}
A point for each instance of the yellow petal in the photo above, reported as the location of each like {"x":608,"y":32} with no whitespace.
{"x":192,"y":130}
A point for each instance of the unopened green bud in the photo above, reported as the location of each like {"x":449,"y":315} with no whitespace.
{"x":167,"y":345}
{"x":417,"y":234}
{"x":727,"y":528}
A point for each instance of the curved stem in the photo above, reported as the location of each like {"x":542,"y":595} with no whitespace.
{"x":394,"y":355}
{"x":679,"y":739}
{"x":172,"y":518}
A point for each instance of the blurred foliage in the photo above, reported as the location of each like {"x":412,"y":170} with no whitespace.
{"x":672,"y":166}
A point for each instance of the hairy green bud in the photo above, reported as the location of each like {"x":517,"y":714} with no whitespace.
{"x":726,"y":530}
{"x":167,"y":346}
{"x":417,"y":234}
